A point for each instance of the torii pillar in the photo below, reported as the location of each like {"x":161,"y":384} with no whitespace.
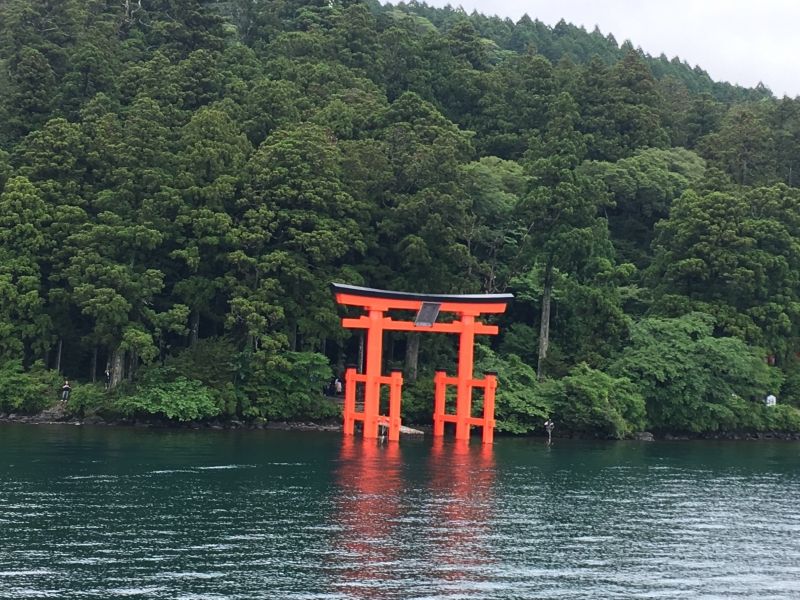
{"x":467,"y":308}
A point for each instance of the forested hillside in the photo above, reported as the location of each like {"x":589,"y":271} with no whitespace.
{"x":181,"y":180}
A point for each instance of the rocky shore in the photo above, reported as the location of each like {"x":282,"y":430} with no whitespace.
{"x":57,"y":415}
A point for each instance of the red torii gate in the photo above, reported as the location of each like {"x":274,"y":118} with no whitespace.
{"x":427,"y":307}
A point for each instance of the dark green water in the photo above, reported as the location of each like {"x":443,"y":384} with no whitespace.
{"x":109,"y":513}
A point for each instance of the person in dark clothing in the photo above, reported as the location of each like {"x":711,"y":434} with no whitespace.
{"x":65,"y":390}
{"x":108,"y":379}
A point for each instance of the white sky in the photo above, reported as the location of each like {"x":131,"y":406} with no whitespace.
{"x":740,"y":41}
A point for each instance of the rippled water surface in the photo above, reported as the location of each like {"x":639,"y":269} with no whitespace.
{"x":107,"y":513}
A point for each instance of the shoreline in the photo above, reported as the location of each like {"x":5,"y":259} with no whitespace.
{"x":41,"y":419}
{"x":48,"y":417}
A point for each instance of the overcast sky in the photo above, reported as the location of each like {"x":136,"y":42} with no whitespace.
{"x":740,"y":41}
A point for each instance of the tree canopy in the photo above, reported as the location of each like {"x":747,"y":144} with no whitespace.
{"x":180,"y":180}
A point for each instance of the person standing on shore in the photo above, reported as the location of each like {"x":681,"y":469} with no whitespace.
{"x":65,"y":390}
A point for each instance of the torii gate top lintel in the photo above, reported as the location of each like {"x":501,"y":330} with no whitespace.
{"x":377,"y":299}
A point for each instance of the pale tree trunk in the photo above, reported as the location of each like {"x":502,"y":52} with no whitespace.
{"x":117,"y":368}
{"x":544,"y":328}
{"x":131,"y":7}
{"x":412,"y":357}
{"x":58,"y":356}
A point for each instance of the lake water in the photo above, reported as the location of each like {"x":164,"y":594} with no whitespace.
{"x":122,"y":513}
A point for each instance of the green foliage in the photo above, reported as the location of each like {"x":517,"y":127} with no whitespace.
{"x":790,"y":390}
{"x":417,"y":405}
{"x":210,"y":361}
{"x":736,"y":256}
{"x":177,"y":399}
{"x":777,"y":418}
{"x":519,"y":405}
{"x":692,"y":381}
{"x":288,"y":385}
{"x":89,"y":398}
{"x":588,"y":401}
{"x":644,"y":187}
{"x":27,"y":391}
{"x":23,"y":321}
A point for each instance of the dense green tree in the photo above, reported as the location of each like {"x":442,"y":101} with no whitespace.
{"x":495,"y":238}
{"x":515,"y":105}
{"x":743,"y":147}
{"x":404,"y":69}
{"x":269,"y":105}
{"x":592,"y":402}
{"x":212,"y":154}
{"x":786,"y":126}
{"x":691,"y":380}
{"x":178,"y":26}
{"x":704,"y":117}
{"x":737,"y":255}
{"x":298,"y":229}
{"x":32,"y":84}
{"x":674,"y":107}
{"x":356,"y":35}
{"x":643,"y":188}
{"x":564,"y":207}
{"x":636,"y":104}
{"x":24,"y":325}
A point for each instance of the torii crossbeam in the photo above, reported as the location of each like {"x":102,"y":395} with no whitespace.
{"x":427,"y":307}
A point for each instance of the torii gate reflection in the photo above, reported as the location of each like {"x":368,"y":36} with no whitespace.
{"x":450,"y":517}
{"x":427,"y":307}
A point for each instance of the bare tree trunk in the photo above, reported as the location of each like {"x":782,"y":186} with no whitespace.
{"x":94,"y":365}
{"x":544,"y":327}
{"x":412,"y":357}
{"x":131,"y":7}
{"x":133,"y":361}
{"x":58,"y":356}
{"x":117,"y":368}
{"x":194,"y":327}
{"x":293,"y":337}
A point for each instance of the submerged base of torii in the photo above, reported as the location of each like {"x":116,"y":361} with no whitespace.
{"x":376,"y":304}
